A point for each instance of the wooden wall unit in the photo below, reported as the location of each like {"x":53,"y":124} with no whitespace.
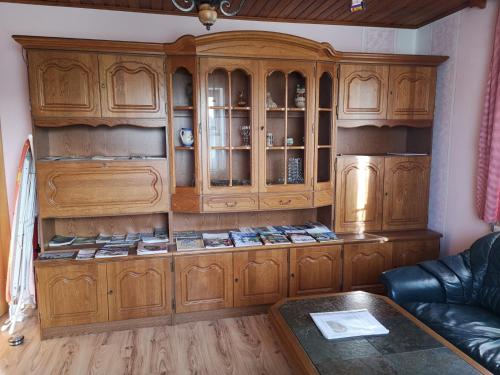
{"x":346,"y":127}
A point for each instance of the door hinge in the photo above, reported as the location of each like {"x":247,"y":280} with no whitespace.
{"x":173,"y":304}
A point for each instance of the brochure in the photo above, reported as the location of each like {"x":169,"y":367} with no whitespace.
{"x":185,"y":244}
{"x":85,"y":254}
{"x":84,"y":241}
{"x":216,"y":240}
{"x":148,"y":249}
{"x":274,"y":239}
{"x":351,"y":323}
{"x":61,"y":240}
{"x":47,"y":255}
{"x":242,"y":239}
{"x":111,"y":252}
{"x":301,"y":238}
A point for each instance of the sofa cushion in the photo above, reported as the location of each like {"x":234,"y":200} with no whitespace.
{"x":474,"y":330}
{"x":489,"y":289}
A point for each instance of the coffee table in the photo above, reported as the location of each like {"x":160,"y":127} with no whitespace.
{"x":410,"y":347}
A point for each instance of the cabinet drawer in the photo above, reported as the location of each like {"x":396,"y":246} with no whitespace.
{"x":92,"y":188}
{"x":323,"y":198}
{"x":285,"y":201}
{"x":230,"y":203}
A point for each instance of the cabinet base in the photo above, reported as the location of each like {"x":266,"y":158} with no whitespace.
{"x":219,"y":314}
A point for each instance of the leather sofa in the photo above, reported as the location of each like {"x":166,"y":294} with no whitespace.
{"x":458,"y":297}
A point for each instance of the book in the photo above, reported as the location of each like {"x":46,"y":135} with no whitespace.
{"x":259,"y":230}
{"x":301,"y":238}
{"x":242,"y":239}
{"x":147,"y":249}
{"x":274,"y":239}
{"x":61,"y":240}
{"x":216,"y":240}
{"x":111,"y":252}
{"x":152,"y":239}
{"x":161,"y":234}
{"x":290,"y":229}
{"x":133,"y":237}
{"x":185,"y":244}
{"x":103,"y":238}
{"x":85,"y":254}
{"x":47,"y":255}
{"x":314,"y":227}
{"x":187,"y":234}
{"x":325,"y":237}
{"x":84,"y":241}
{"x":351,"y":323}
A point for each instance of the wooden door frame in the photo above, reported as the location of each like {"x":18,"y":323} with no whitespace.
{"x":4,"y":230}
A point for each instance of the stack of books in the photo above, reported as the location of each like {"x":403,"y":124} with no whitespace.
{"x":216,"y":240}
{"x":151,"y":249}
{"x":85,"y":254}
{"x":188,"y":240}
{"x":243,"y":239}
{"x":57,"y":241}
{"x":111,"y":252}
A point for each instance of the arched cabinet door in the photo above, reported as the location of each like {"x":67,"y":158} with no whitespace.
{"x":64,"y":84}
{"x":363,"y":92}
{"x":132,"y":86}
{"x":412,"y":91}
{"x":406,"y":192}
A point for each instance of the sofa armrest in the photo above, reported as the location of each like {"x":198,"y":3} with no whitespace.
{"x":412,"y":284}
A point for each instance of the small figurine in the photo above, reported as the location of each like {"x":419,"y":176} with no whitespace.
{"x":270,"y":102}
{"x":241,"y":100}
{"x":300,"y":97}
{"x":245,"y":135}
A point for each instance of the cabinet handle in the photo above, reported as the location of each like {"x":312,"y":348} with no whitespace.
{"x":292,"y":275}
{"x":103,"y":85}
{"x":236,"y":280}
{"x":285,"y":203}
{"x":261,"y":128}
{"x":231,"y":204}
{"x":110,"y":292}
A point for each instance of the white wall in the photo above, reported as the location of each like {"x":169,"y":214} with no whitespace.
{"x":467,"y":37}
{"x":142,"y":27}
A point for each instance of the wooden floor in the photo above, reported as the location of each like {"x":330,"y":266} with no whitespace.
{"x":237,"y":346}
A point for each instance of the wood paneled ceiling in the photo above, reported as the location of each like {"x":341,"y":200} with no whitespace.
{"x":385,"y":13}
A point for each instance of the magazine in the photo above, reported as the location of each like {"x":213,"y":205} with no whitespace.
{"x":85,"y":254}
{"x":325,"y":237}
{"x":351,"y":323}
{"x":84,"y":241}
{"x":152,"y":239}
{"x":274,"y":238}
{"x":316,"y":227}
{"x":289,"y":229}
{"x":242,"y":239}
{"x":133,"y":237}
{"x":301,"y":238}
{"x":185,"y":244}
{"x":61,"y":240}
{"x":161,"y":234}
{"x":103,"y":238}
{"x":56,"y":255}
{"x":110,"y":252}
{"x":216,"y":240}
{"x":147,"y":249}
{"x":259,"y":230}
{"x":187,"y":234}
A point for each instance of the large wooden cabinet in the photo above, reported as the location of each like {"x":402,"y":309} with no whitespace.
{"x":86,"y":292}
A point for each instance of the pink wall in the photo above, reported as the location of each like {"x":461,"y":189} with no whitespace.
{"x":467,"y":37}
{"x":98,"y":24}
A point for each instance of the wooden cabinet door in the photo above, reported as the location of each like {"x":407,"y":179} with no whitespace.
{"x":72,"y":294}
{"x":132,"y":86}
{"x":315,"y":270}
{"x":412,"y":90}
{"x":363,"y":265}
{"x":203,"y":282}
{"x":139,"y":288}
{"x":363,"y":91}
{"x":406,"y":192}
{"x":64,"y":84}
{"x":359,"y":196}
{"x":260,"y":277}
{"x":408,"y":253}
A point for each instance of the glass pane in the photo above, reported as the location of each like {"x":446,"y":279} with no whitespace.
{"x":218,"y":89}
{"x":296,"y":128}
{"x":275,"y":96}
{"x":219,"y":167}
{"x":295,"y":167}
{"x":241,"y":167}
{"x":324,"y":128}
{"x":297,"y":90}
{"x":182,"y":85}
{"x":323,"y":167}
{"x":275,"y":167}
{"x":241,"y":89}
{"x":241,"y":129}
{"x":218,"y":127}
{"x":275,"y":129}
{"x":184,"y":168}
{"x":325,"y":91}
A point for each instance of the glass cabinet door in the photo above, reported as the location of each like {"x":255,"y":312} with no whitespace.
{"x":230,"y":129}
{"x":289,"y":95}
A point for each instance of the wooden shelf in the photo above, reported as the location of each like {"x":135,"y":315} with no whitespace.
{"x":184,"y":148}
{"x":324,"y":146}
{"x":277,"y":109}
{"x":227,"y":108}
{"x":325,"y":109}
{"x":241,"y":108}
{"x":241,"y":147}
{"x":275,"y":148}
{"x":183,"y":108}
{"x":227,"y":148}
{"x":294,"y":109}
{"x":295,"y":147}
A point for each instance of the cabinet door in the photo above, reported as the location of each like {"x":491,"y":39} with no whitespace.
{"x":286,"y":134}
{"x":72,"y":294}
{"x":412,"y":90}
{"x":64,"y":84}
{"x":359,"y":196}
{"x":363,"y":91}
{"x":406,"y":192}
{"x":260,"y":277}
{"x":132,"y":86}
{"x":408,"y":253}
{"x":230,"y":98}
{"x":363,"y":265}
{"x":139,"y":288}
{"x":315,"y":270}
{"x":203,"y":282}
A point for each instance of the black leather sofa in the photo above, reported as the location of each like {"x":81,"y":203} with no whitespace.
{"x":458,"y":297}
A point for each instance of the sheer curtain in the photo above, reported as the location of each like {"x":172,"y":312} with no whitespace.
{"x":488,"y":178}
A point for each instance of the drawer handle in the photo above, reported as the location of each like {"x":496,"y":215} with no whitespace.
{"x":231,"y":204}
{"x":110,"y":291}
{"x":236,"y":280}
{"x":285,"y":203}
{"x":292,"y":275}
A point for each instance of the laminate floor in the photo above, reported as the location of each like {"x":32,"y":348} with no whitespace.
{"x":239,"y":346}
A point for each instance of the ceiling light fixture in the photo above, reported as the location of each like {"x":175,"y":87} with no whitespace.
{"x":207,"y":9}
